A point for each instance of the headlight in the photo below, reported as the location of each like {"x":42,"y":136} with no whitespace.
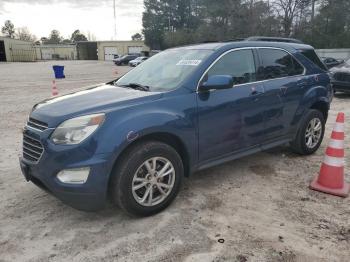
{"x":76,"y":130}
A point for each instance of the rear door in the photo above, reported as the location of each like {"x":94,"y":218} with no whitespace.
{"x":284,"y":83}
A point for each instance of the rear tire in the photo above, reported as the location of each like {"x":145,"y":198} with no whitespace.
{"x":310,"y":133}
{"x":147,"y":178}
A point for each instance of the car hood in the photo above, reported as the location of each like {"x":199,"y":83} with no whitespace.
{"x":102,"y":98}
{"x":344,"y":67}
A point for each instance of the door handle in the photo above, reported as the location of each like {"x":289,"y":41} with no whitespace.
{"x":255,"y":92}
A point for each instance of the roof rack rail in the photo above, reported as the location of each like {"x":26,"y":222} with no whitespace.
{"x":233,"y":40}
{"x":222,"y":41}
{"x":274,"y":39}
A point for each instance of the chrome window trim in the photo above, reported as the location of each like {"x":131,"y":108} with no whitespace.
{"x":250,"y":48}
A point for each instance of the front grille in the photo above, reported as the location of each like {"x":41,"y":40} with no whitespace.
{"x":342,"y":77}
{"x":32,"y":148}
{"x":37,"y":124}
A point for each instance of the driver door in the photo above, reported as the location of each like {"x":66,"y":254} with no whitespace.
{"x":231,"y":120}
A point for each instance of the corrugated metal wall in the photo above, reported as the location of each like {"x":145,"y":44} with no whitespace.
{"x":56,"y":52}
{"x":22,"y":53}
{"x":18,"y":50}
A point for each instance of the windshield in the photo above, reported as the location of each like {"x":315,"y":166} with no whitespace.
{"x":166,"y":70}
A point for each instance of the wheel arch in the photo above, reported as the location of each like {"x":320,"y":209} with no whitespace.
{"x":321,"y":106}
{"x":171,"y":140}
{"x":164,"y":137}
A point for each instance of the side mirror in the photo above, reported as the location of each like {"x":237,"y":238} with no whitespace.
{"x":217,"y":82}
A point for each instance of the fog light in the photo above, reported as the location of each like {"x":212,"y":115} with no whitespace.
{"x":74,"y":176}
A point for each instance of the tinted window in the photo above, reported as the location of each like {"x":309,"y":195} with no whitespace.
{"x":312,"y":56}
{"x":238,"y":64}
{"x":278,"y":63}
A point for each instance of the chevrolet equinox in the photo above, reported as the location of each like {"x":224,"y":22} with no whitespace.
{"x":132,"y":140}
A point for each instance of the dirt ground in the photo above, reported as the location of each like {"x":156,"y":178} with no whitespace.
{"x":258,"y":208}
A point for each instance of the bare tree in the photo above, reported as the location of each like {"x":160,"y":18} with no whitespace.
{"x":90,"y":36}
{"x":288,"y":11}
{"x":23,"y":33}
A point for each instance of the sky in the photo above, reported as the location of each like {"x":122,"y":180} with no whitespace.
{"x":94,"y":16}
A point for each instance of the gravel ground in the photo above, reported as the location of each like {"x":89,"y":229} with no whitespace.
{"x":258,"y":208}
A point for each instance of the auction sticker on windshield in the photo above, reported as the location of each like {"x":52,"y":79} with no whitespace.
{"x":189,"y":62}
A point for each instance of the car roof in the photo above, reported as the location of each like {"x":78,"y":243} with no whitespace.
{"x":241,"y":44}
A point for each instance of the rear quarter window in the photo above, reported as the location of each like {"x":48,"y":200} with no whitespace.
{"x":313,"y":57}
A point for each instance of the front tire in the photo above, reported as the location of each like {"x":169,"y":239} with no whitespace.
{"x":310,"y":133}
{"x":147,"y":178}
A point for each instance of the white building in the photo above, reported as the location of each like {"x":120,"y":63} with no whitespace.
{"x":108,"y":49}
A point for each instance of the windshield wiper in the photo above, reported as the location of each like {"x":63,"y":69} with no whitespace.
{"x":137,"y":86}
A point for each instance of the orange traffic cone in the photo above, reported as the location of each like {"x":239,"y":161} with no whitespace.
{"x":54,"y":88}
{"x":331,"y":177}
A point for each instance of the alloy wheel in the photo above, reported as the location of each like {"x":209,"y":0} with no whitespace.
{"x":153,"y":181}
{"x":313,"y":133}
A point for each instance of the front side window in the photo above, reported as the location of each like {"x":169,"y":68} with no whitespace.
{"x":278,"y":63}
{"x":238,"y":64}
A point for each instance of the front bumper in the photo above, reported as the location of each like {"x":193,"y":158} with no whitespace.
{"x":91,"y":195}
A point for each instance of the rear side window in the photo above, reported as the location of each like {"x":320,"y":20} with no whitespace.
{"x":238,"y":64}
{"x":277,"y":64}
{"x":313,"y":57}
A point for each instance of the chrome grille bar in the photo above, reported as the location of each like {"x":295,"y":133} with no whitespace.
{"x":37,"y":124}
{"x":32,"y":148}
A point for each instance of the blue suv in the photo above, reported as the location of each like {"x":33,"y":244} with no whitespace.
{"x":131,"y":141}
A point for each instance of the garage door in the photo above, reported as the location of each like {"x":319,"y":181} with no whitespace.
{"x":110,"y":52}
{"x":134,"y":49}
